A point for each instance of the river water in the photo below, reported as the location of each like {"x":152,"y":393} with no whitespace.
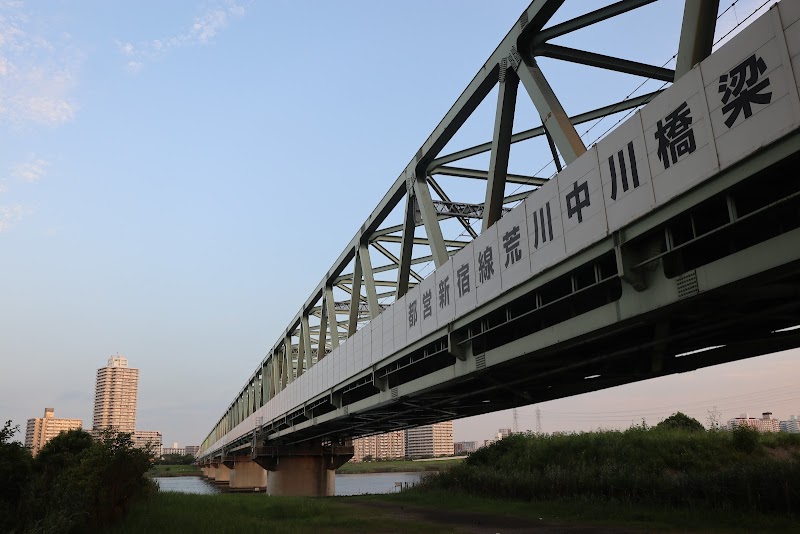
{"x":345,"y":484}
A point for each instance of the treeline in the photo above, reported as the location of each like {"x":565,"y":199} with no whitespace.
{"x":74,"y":482}
{"x":673,"y":465}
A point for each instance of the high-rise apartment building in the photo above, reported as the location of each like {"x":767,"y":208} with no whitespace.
{"x":382,"y":446}
{"x":115,"y":396}
{"x":40,"y":430}
{"x":430,"y":440}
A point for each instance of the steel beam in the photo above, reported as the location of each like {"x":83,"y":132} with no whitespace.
{"x":697,"y":34}
{"x":369,"y":280}
{"x":484,"y":175}
{"x":305,"y":333}
{"x":552,"y":114}
{"x":588,"y":19}
{"x":406,"y":247}
{"x":501,"y":148}
{"x":601,"y":61}
{"x":431,"y":221}
{"x":355,"y":296}
{"x":330,"y":304}
{"x":463,"y":220}
{"x":630,"y":103}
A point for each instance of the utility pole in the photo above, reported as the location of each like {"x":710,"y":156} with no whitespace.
{"x":538,"y":422}
{"x":515,"y":425}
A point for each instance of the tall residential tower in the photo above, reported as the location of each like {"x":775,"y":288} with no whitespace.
{"x":115,"y":396}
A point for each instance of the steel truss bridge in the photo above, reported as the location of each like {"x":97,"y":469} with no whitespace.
{"x":671,"y":244}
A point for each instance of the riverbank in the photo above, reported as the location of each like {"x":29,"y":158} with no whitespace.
{"x":398,"y":466}
{"x":160,"y":471}
{"x":412,"y":511}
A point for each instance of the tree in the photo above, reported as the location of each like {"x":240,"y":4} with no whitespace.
{"x":15,"y":474}
{"x":681,"y":421}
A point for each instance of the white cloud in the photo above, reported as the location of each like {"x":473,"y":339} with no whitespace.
{"x":10,"y":215}
{"x":30,"y":171}
{"x":36,"y":76}
{"x":203,"y":30}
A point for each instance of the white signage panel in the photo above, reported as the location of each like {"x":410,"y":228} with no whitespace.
{"x":366,"y":347}
{"x":388,"y":331}
{"x":678,"y":137}
{"x":625,"y":172}
{"x":751,"y":98}
{"x":413,"y":313}
{"x":486,"y":256}
{"x":444,"y":296}
{"x":583,"y":212}
{"x":545,"y":229}
{"x":464,"y":280}
{"x":427,"y":301}
{"x":400,"y":321}
{"x":515,"y":254}
{"x":376,"y":352}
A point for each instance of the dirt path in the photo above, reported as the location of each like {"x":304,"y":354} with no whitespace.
{"x":479,"y":523}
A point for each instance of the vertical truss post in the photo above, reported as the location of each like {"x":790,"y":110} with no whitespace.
{"x":288,"y":369}
{"x":265,"y":383}
{"x":323,"y":327}
{"x":431,"y":221}
{"x":501,"y":146}
{"x":276,"y":373}
{"x":355,"y":295}
{"x":333,"y":327}
{"x":554,"y":119}
{"x":406,"y":247}
{"x":301,"y":348}
{"x":305,"y":336}
{"x":369,"y":280}
{"x":697,"y":34}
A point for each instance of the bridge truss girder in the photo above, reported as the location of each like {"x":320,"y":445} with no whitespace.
{"x":325,"y":318}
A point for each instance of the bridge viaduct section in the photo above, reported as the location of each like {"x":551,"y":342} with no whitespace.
{"x":671,"y":244}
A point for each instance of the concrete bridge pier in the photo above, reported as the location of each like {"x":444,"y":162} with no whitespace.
{"x":247,"y":475}
{"x":222,"y":475}
{"x":302,"y":471}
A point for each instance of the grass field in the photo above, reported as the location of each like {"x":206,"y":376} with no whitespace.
{"x":200,"y":514}
{"x":173,"y":471}
{"x":397,"y":466}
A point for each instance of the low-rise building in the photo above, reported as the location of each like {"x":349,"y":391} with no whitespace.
{"x":791,"y":425}
{"x":152,"y":438}
{"x":464,"y":447}
{"x":766,"y":423}
{"x":192,"y":449}
{"x":173,"y":450}
{"x":40,"y":430}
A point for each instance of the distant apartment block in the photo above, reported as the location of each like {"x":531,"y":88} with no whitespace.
{"x":792,"y":425}
{"x":504,"y":433}
{"x":40,"y":430}
{"x":143,"y":438}
{"x":464,"y":447}
{"x":430,"y":440}
{"x":766,"y":423}
{"x":115,"y":396}
{"x":192,"y":449}
{"x":382,"y":446}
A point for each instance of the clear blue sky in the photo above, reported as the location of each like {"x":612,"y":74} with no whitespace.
{"x":175,"y":177}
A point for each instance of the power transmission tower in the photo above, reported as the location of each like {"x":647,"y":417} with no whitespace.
{"x":515,"y":425}
{"x":538,"y":421}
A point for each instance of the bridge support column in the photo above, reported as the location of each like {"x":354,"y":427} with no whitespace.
{"x":212,"y":472}
{"x":223,"y":475}
{"x":302,"y":471}
{"x":247,"y":475}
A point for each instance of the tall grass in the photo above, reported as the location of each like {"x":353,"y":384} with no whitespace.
{"x":717,"y":470}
